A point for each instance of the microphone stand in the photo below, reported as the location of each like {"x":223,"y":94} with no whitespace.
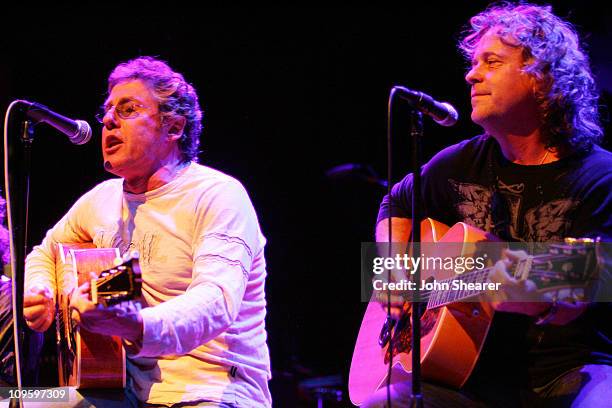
{"x":444,"y":114}
{"x":18,"y":181}
{"x":416,"y":134}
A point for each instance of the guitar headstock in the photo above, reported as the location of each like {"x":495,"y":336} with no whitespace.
{"x":118,"y":284}
{"x":571,"y":264}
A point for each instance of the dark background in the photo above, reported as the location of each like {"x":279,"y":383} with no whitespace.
{"x":287,"y":93}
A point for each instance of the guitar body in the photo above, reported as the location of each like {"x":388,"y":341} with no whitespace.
{"x":452,"y":336}
{"x":85,"y":359}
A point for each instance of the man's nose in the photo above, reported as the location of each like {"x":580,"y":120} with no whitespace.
{"x":473,"y":76}
{"x":110,"y":119}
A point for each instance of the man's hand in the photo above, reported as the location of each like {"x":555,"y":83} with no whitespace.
{"x":396,"y":298}
{"x":122,"y":321}
{"x":399,"y":306}
{"x":516,"y":296}
{"x":38,"y":308}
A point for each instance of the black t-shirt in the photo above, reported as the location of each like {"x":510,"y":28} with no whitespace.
{"x":473,"y":182}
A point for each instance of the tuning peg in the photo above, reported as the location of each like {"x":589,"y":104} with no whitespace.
{"x":574,"y":241}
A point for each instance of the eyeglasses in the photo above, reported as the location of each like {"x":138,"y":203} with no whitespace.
{"x":125,"y":110}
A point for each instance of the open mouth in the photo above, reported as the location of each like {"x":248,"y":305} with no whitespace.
{"x":111,"y":143}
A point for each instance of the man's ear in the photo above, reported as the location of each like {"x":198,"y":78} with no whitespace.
{"x":540,"y":87}
{"x":176,"y":125}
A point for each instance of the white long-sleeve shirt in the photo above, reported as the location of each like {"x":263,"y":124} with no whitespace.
{"x":203,"y":269}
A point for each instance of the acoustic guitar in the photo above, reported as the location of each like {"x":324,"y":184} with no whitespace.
{"x":453,"y":329}
{"x":85,"y":359}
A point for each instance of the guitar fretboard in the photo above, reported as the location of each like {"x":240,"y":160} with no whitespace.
{"x":456,"y":289}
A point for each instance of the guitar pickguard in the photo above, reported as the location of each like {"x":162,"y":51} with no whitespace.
{"x":402,"y":335}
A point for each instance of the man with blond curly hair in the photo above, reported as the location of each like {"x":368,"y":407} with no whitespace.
{"x":537,"y":174}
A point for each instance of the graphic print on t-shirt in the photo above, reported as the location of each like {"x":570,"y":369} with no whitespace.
{"x":474,"y":205}
{"x":549,"y":221}
{"x":147,"y":247}
{"x":546,"y":222}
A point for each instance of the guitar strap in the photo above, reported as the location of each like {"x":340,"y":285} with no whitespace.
{"x":500,"y":213}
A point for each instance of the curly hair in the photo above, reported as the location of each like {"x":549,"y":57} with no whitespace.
{"x":174,"y":94}
{"x":568,"y":95}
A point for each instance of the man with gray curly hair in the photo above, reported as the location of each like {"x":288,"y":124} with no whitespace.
{"x":535,"y":175}
{"x":200,"y":338}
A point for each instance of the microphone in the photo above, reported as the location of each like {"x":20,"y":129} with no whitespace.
{"x":78,"y":131}
{"x":441,"y":112}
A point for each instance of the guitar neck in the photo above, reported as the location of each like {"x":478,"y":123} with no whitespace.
{"x":458,"y":288}
{"x":549,"y":271}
